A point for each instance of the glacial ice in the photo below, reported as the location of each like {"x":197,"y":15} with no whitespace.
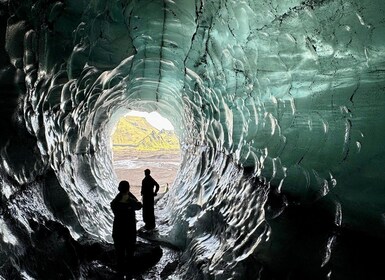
{"x":278,"y":105}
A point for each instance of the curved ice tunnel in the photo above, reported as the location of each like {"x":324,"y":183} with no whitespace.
{"x":279,"y":108}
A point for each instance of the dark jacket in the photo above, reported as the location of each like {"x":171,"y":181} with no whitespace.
{"x":148,"y":185}
{"x":124,"y":213}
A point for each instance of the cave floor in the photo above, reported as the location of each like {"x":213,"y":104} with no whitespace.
{"x":130,"y":164}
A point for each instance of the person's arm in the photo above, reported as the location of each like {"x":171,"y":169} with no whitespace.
{"x":113,"y":204}
{"x":138,"y":205}
{"x":134,"y":203}
{"x":156,"y":187}
{"x":131,"y":195}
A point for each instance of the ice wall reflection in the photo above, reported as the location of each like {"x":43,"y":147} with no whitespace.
{"x":279,"y":108}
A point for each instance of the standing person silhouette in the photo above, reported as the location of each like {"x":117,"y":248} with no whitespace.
{"x":148,"y":194}
{"x":124,"y":227}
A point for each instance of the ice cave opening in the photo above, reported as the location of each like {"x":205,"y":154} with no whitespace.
{"x":142,"y":140}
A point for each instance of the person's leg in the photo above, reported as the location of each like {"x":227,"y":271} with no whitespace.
{"x":120,"y":252}
{"x":148,"y":211}
{"x":130,"y":249}
{"x":145,"y":212}
{"x":151,"y":218}
{"x":151,"y":214}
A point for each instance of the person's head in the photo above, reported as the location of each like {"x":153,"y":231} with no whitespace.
{"x":124,"y":186}
{"x":147,"y":172}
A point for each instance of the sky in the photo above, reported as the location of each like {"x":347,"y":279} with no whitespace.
{"x":154,"y":118}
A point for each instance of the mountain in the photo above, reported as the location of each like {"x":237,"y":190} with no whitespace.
{"x":159,"y":140}
{"x":137,"y":134}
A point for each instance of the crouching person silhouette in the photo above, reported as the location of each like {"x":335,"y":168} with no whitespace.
{"x":124,"y":228}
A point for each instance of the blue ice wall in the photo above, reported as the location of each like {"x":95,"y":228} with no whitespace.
{"x":278,"y":106}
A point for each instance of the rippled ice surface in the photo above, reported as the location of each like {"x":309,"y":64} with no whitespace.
{"x":279,"y":104}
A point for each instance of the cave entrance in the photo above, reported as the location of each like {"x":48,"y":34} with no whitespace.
{"x":143,"y":140}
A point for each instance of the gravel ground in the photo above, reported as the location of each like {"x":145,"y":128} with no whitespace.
{"x":129,"y":165}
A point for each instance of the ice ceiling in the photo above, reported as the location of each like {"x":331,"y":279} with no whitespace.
{"x":279,"y":106}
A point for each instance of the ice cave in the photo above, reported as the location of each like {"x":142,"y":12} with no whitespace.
{"x":279,"y":107}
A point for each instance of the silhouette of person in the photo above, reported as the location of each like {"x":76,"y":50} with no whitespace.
{"x":124,"y":227}
{"x":148,"y":193}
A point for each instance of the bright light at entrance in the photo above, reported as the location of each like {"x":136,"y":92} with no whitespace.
{"x":145,"y":140}
{"x":154,"y":119}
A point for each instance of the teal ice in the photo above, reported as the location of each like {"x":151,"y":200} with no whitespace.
{"x":279,"y":107}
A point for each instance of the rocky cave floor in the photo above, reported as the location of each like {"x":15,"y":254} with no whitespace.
{"x":91,"y":259}
{"x":154,"y":257}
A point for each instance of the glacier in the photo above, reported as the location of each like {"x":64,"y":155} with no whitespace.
{"x":278,"y":106}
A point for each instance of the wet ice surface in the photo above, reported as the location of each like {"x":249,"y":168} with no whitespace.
{"x":290,"y":93}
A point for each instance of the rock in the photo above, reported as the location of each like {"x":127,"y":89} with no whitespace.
{"x":169,"y":269}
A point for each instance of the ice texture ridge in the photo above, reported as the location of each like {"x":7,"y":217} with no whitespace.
{"x":278,"y":105}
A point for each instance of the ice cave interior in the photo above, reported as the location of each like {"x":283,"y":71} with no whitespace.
{"x":279,"y":107}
